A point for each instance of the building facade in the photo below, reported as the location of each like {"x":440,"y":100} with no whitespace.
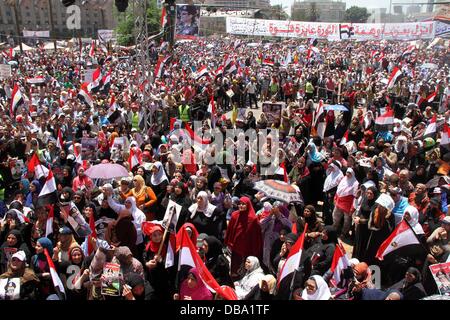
{"x":260,"y":4}
{"x":323,"y":10}
{"x":34,"y":15}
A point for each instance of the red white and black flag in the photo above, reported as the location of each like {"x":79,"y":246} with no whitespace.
{"x":188,"y":256}
{"x":16,"y":100}
{"x":402,"y":236}
{"x":395,"y":74}
{"x":48,"y":195}
{"x":346,"y":30}
{"x":57,"y":283}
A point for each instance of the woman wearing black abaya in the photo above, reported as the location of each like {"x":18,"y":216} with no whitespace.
{"x":361,"y":219}
{"x":216,"y":262}
{"x":411,"y":286}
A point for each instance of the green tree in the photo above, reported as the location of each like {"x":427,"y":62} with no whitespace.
{"x":126,"y":30}
{"x":356,"y":14}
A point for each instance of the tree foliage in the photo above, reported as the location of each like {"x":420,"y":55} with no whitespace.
{"x":356,"y":14}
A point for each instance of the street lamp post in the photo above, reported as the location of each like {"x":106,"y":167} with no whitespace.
{"x":50,"y":10}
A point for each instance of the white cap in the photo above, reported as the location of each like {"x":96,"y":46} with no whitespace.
{"x":19,"y":255}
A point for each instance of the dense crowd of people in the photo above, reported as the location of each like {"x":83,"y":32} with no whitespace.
{"x":358,"y":179}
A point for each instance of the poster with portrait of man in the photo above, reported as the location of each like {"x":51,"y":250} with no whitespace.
{"x":272,"y":110}
{"x":188,"y":22}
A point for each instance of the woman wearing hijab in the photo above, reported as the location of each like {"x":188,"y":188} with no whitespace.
{"x":343,"y":202}
{"x":380,"y":225}
{"x":411,"y":286}
{"x":253,"y":275}
{"x":316,"y":289}
{"x":41,"y":268}
{"x":264,"y":290}
{"x":65,"y":244}
{"x":65,"y":179}
{"x":72,"y":271}
{"x":128,"y":263}
{"x":29,"y":282}
{"x":314,"y":163}
{"x":334,"y":177}
{"x":144,"y":196}
{"x":243,"y":236}
{"x":159,"y":183}
{"x":361,"y":219}
{"x":193,"y":288}
{"x":315,"y":227}
{"x":33,"y":194}
{"x":156,"y":273}
{"x":126,"y":230}
{"x":180,"y":197}
{"x":24,"y":187}
{"x":215,"y":260}
{"x":13,"y":220}
{"x":321,"y":253}
{"x":82,"y":182}
{"x":14,"y":243}
{"x":139,"y":288}
{"x":206,"y":217}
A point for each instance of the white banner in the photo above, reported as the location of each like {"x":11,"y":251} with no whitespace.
{"x":89,"y":75}
{"x":105,"y":35}
{"x":330,"y":31}
{"x":36,"y":34}
{"x":5,"y":71}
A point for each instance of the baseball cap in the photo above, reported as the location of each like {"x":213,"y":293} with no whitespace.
{"x":446,"y":220}
{"x":19,"y":255}
{"x":437,"y":190}
{"x":65,"y":230}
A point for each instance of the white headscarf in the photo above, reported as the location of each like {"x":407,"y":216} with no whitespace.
{"x":322,"y":292}
{"x":333,"y":178}
{"x":207,"y":209}
{"x":160,"y":176}
{"x":347,"y":186}
{"x":138,"y":218}
{"x":368,"y":119}
{"x":414,"y":221}
{"x":251,"y":278}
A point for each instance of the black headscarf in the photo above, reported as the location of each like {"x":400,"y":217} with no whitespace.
{"x":214,"y":247}
{"x":332,"y":235}
{"x":366,"y":204}
{"x":416,"y":274}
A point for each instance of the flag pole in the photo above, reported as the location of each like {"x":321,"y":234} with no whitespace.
{"x":291,"y":287}
{"x":166,"y":230}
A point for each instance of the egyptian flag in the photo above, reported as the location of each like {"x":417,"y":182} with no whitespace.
{"x":445,"y":137}
{"x":16,"y":100}
{"x":431,"y":128}
{"x":93,"y":236}
{"x":171,"y":248}
{"x":310,"y":51}
{"x":284,"y":173}
{"x":22,"y":218}
{"x":233,"y":68}
{"x":57,"y":283}
{"x":92,"y":50}
{"x":409,"y":50}
{"x":135,"y":157}
{"x":313,"y":42}
{"x":96,"y":78}
{"x":160,"y":65}
{"x":85,"y":95}
{"x":393,"y":77}
{"x":164,"y":18}
{"x":346,"y":29}
{"x":77,"y":155}
{"x":293,"y":259}
{"x":386,"y":118}
{"x":226,"y":61}
{"x":195,"y":138}
{"x":106,"y":82}
{"x":59,"y":140}
{"x":203,"y":71}
{"x":268,"y":62}
{"x":402,"y":236}
{"x":48,"y":194}
{"x":344,"y":139}
{"x":49,"y":223}
{"x":188,"y":256}
{"x":428,"y":99}
{"x":219,"y":71}
{"x":338,"y":264}
{"x":212,"y":111}
{"x":35,"y":166}
{"x":112,"y":106}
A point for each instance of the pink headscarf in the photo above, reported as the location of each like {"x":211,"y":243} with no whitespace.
{"x":200,"y":292}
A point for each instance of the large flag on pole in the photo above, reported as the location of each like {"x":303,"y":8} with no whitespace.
{"x":188,"y":256}
{"x":431,"y":128}
{"x":293,"y":259}
{"x":48,"y":195}
{"x":386,"y":118}
{"x":35,"y":166}
{"x":49,"y":223}
{"x":84,"y":93}
{"x":403,"y":235}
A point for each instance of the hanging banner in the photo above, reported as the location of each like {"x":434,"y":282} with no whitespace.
{"x":188,"y":21}
{"x":105,"y":35}
{"x":36,"y":34}
{"x":330,"y":31}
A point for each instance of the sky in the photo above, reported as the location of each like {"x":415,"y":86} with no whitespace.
{"x":360,"y":3}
